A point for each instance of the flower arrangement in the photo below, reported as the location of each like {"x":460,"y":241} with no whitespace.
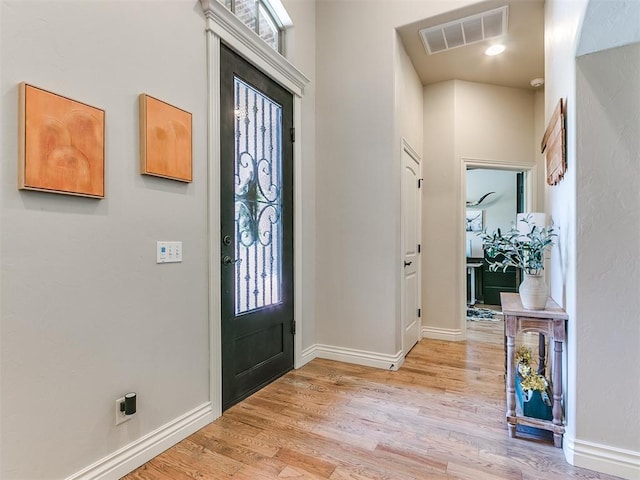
{"x":530,"y":380}
{"x":517,"y":249}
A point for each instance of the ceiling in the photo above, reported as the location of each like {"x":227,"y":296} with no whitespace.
{"x":522,"y":61}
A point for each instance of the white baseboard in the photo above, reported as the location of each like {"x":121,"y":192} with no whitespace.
{"x":308,"y":354}
{"x":447,"y":334}
{"x":357,"y":357}
{"x":137,"y":453}
{"x":602,"y":458}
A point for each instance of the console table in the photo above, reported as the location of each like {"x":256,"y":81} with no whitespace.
{"x":550,"y":322}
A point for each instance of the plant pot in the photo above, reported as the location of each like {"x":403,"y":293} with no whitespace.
{"x":533,"y":403}
{"x":534,"y":291}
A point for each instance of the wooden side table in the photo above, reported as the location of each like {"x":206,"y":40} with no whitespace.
{"x":550,"y":322}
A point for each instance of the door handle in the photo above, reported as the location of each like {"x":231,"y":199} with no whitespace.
{"x":227,"y":260}
{"x":406,"y":264}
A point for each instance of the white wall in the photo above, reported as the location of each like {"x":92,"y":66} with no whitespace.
{"x":609,"y":24}
{"x":301,"y":52}
{"x":562,"y":23}
{"x":87,"y":315}
{"x":499,"y":208}
{"x":494,"y":123}
{"x":439,"y":212}
{"x":99,"y":317}
{"x":578,"y":269}
{"x":538,"y":133}
{"x":409,"y":94}
{"x":410,"y":114}
{"x":608,"y":239}
{"x":358,"y":171}
{"x":463,"y":121}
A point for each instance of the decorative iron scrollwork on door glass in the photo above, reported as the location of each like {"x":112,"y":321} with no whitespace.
{"x":258,"y":199}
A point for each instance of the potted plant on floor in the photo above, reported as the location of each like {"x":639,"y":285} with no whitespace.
{"x":522,"y":248}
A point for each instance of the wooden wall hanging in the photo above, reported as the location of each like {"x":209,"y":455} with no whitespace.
{"x":165,"y":140}
{"x":554,"y":142}
{"x":61,"y":144}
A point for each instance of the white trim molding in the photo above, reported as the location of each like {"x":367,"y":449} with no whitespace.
{"x":447,"y":334}
{"x":602,"y":458}
{"x":137,"y":453}
{"x":410,"y":150}
{"x":298,"y":244}
{"x":213,"y":225}
{"x":224,"y":24}
{"x":356,"y":357}
{"x":308,"y":354}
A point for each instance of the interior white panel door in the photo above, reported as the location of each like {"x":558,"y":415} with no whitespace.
{"x":411,"y":228}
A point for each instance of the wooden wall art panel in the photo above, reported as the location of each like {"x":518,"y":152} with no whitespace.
{"x":165,"y":140}
{"x":61,"y":144}
{"x":554,"y":142}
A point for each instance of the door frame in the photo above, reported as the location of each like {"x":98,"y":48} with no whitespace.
{"x":406,"y":147}
{"x":224,"y":26}
{"x":531,"y":204}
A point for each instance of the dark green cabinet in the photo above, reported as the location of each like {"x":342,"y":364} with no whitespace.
{"x":495,"y":282}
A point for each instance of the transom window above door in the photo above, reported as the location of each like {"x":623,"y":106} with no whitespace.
{"x":267,"y":18}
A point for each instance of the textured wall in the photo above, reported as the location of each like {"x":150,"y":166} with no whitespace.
{"x":599,"y":296}
{"x":562,"y":22}
{"x":609,"y":24}
{"x":608,"y":240}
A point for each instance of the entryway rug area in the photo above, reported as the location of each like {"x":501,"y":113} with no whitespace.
{"x":475,"y":314}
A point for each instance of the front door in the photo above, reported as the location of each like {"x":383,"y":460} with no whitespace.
{"x":256,"y":185}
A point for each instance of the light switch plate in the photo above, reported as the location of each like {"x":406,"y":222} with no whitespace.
{"x":168,"y":252}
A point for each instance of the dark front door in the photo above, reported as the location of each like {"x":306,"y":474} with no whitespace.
{"x":256,"y":120}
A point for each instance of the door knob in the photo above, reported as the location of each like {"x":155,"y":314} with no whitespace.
{"x":227,"y":260}
{"x":406,"y":264}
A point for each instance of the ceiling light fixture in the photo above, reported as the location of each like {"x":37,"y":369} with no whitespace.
{"x":494,"y":50}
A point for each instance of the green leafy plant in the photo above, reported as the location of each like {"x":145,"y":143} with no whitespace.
{"x":517,"y":249}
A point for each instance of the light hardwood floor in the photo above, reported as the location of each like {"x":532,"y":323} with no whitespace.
{"x":441,"y":416}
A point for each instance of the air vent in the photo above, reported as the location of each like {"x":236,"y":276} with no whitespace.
{"x":465,"y":31}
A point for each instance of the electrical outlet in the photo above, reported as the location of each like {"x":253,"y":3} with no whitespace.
{"x":120,"y":416}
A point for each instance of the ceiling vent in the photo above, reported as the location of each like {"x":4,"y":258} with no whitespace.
{"x":465,"y":31}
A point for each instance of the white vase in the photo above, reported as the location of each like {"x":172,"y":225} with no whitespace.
{"x":534,"y":291}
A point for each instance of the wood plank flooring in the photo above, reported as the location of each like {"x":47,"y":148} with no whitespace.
{"x":441,"y":416}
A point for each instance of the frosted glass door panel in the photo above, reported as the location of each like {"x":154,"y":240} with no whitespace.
{"x":258,"y":199}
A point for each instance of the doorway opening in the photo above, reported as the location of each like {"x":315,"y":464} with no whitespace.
{"x":494,"y":195}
